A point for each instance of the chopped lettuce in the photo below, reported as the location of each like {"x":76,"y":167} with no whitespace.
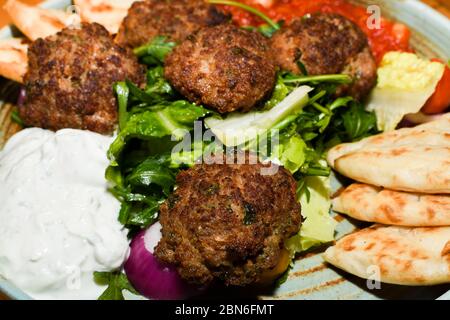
{"x":174,"y":119}
{"x":144,"y":176}
{"x":291,"y":154}
{"x":238,"y":128}
{"x":318,"y":226}
{"x":153,"y":120}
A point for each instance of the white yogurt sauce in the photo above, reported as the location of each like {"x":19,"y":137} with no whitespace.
{"x":58,"y":222}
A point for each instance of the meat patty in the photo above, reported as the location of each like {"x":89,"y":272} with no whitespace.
{"x":175,"y":19}
{"x":70,"y":80}
{"x":228,"y":221}
{"x":223,"y":67}
{"x":327,"y":44}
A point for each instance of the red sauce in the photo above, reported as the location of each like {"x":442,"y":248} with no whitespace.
{"x":392,"y":36}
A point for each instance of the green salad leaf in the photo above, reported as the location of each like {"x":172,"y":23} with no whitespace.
{"x":174,"y":119}
{"x":238,"y":128}
{"x":122,"y":92}
{"x":291,"y":153}
{"x":157,"y":84}
{"x":303,"y":115}
{"x":152,"y":120}
{"x":152,"y":171}
{"x":307,"y":125}
{"x":155,"y":51}
{"x":280,"y":92}
{"x":358,"y":123}
{"x":117,"y":282}
{"x":318,"y":226}
{"x":273,"y":25}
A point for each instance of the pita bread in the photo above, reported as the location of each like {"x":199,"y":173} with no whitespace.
{"x":108,"y":13}
{"x":411,"y":159}
{"x":13,"y":59}
{"x":397,"y":255}
{"x":35,"y":22}
{"x":373,"y":204}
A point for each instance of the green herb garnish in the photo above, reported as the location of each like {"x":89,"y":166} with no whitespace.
{"x":116,"y":282}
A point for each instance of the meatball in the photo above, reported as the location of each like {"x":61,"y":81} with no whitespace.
{"x":223,"y":67}
{"x":70,"y":79}
{"x":228,"y":221}
{"x":175,"y":19}
{"x":326,"y":44}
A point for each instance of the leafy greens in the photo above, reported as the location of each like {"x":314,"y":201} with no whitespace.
{"x":117,"y":282}
{"x":307,"y":120}
{"x":154,"y":119}
{"x":151,"y":121}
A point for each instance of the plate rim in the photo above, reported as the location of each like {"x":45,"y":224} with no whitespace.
{"x":15,"y":293}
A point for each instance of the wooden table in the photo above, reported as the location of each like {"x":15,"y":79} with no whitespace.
{"x":441,"y":5}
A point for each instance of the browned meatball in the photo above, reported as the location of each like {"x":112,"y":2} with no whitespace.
{"x":224,"y":68}
{"x":326,"y":44}
{"x":70,"y":80}
{"x":228,"y":221}
{"x":175,"y":19}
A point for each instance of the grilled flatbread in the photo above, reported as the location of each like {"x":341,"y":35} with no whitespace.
{"x":373,"y":204}
{"x":35,"y":22}
{"x":13,"y":58}
{"x":398,"y":255}
{"x":108,"y":13}
{"x":411,"y":159}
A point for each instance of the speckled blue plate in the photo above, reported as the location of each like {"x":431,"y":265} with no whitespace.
{"x":311,"y":278}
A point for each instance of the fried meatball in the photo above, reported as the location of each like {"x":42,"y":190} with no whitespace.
{"x":224,"y":68}
{"x":175,"y":19}
{"x":70,"y":79}
{"x":228,"y":221}
{"x":326,"y":44}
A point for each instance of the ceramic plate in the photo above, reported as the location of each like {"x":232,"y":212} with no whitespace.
{"x":311,"y":278}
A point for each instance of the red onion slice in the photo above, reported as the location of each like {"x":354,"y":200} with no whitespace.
{"x":151,"y":278}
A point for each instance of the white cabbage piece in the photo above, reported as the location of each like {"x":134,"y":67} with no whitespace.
{"x":405,"y":83}
{"x":238,"y":128}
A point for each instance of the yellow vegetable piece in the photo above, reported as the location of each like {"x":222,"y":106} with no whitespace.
{"x":405,"y":82}
{"x":406,"y":71}
{"x":270,"y":276}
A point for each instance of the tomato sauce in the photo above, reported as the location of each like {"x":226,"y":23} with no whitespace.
{"x":391,"y":36}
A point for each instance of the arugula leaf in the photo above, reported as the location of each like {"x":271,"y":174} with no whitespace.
{"x":359,"y":123}
{"x":316,"y":79}
{"x":153,"y":171}
{"x":138,"y":215}
{"x":142,"y":188}
{"x":116,"y":282}
{"x":155,"y":51}
{"x":157,"y":84}
{"x":280,"y":92}
{"x":250,"y":9}
{"x":302,"y":67}
{"x":266,"y":30}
